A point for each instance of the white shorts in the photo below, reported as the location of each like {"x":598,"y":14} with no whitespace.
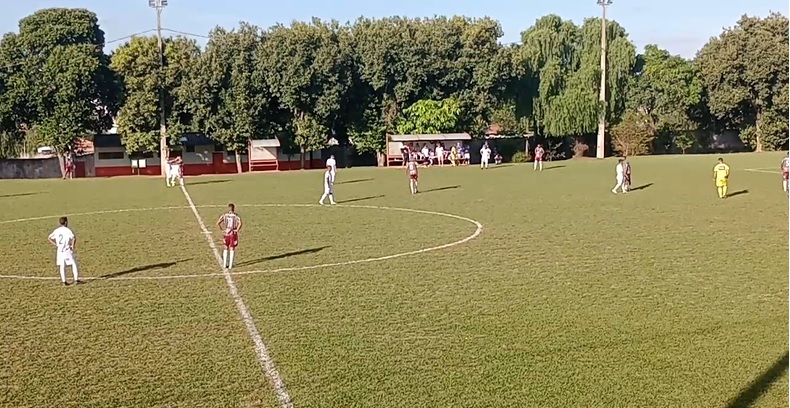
{"x":65,"y":258}
{"x":328,"y":190}
{"x":619,"y":179}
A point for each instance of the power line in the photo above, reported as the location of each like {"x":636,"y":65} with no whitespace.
{"x":185,"y":33}
{"x":127,"y":37}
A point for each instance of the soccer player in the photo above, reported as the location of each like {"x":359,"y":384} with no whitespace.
{"x":626,"y":174}
{"x":175,"y":173}
{"x":64,"y":240}
{"x":230,"y":224}
{"x":721,"y":174}
{"x":332,"y":163}
{"x":68,"y":166}
{"x":786,"y":173}
{"x":619,"y":176}
{"x":329,"y":187}
{"x":539,"y":152}
{"x":485,"y":156}
{"x":411,"y":168}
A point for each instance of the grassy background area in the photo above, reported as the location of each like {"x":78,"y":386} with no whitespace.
{"x":571,"y":297}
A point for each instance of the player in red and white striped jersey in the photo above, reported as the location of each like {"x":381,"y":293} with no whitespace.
{"x":230,"y":224}
{"x":786,"y":173}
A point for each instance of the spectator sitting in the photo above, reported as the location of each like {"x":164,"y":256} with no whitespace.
{"x":498,"y":158}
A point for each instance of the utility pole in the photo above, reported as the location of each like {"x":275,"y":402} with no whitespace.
{"x":600,"y":150}
{"x":159,"y":5}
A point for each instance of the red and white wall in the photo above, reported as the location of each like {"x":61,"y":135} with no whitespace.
{"x":198,"y":160}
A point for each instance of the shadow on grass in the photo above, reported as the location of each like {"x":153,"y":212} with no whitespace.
{"x":197,"y":183}
{"x":281,"y":256}
{"x":21,"y":194}
{"x":547,"y":168}
{"x":499,"y":166}
{"x":737,"y":193}
{"x":642,"y":187}
{"x":144,"y":268}
{"x":353,"y":200}
{"x":355,"y":181}
{"x":431,"y":190}
{"x":749,"y":395}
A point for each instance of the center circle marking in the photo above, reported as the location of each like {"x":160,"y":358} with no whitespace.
{"x":475,"y":234}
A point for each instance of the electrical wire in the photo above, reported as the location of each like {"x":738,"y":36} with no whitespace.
{"x":186,"y":34}
{"x":115,"y":40}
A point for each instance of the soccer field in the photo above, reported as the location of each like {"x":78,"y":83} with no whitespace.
{"x":497,"y":288}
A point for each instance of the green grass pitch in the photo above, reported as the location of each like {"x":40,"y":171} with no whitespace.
{"x":570,"y":297}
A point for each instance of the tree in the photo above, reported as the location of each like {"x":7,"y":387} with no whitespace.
{"x":430,"y":117}
{"x":745,"y":71}
{"x":306,"y":69}
{"x":633,"y":135}
{"x":231,"y":101}
{"x":138,"y":66}
{"x":62,"y":85}
{"x":684,"y":142}
{"x":562,"y":62}
{"x":665,"y":88}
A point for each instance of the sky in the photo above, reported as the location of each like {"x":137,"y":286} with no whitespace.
{"x":680,"y":26}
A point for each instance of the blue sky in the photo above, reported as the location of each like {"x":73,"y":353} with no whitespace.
{"x":681,"y":26}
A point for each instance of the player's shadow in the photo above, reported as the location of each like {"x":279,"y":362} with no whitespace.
{"x":281,"y":256}
{"x":749,"y":396}
{"x":21,"y":194}
{"x":352,"y":200}
{"x":355,"y":181}
{"x":144,"y":268}
{"x":547,"y":168}
{"x":499,"y":166}
{"x":433,"y":190}
{"x":737,"y":193}
{"x":197,"y":183}
{"x":642,"y":187}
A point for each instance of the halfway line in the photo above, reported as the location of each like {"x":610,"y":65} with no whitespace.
{"x":260,"y":347}
{"x":764,"y":171}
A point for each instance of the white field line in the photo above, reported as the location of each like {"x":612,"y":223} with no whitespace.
{"x":478,"y":231}
{"x":764,"y":170}
{"x":261,"y":350}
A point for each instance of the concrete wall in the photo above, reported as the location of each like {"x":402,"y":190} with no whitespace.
{"x":43,"y":168}
{"x":30,"y":168}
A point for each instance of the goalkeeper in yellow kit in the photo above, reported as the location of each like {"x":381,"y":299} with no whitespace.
{"x":721,"y":173}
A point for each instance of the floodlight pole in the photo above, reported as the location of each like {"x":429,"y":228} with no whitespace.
{"x":159,"y":5}
{"x":600,"y":150}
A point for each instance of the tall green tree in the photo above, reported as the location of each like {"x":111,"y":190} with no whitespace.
{"x":62,"y":85}
{"x":138,"y":65}
{"x":305,"y":68}
{"x":232,"y":103}
{"x":745,"y":71}
{"x":563,"y":61}
{"x":664,"y":89}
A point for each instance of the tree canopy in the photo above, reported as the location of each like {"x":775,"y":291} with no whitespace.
{"x":309,"y":82}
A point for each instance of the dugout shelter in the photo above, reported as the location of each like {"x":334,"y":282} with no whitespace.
{"x":395,"y":144}
{"x":264,"y":154}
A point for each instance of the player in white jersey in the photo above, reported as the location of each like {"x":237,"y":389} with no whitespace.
{"x":329,"y":187}
{"x":411,"y":168}
{"x":230,"y":224}
{"x":175,"y":174}
{"x":64,"y":240}
{"x":485,"y":156}
{"x":332,"y":163}
{"x":620,"y":176}
{"x":786,"y":173}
